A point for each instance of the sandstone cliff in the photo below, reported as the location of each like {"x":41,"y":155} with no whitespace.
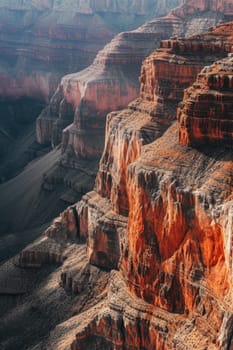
{"x":110,"y":83}
{"x":114,"y":72}
{"x":160,"y":213}
{"x":203,"y":119}
{"x":43,"y":40}
{"x":164,"y":76}
{"x":77,"y":111}
{"x":176,"y":251}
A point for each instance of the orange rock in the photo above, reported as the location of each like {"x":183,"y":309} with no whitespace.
{"x":176,"y":253}
{"x":174,"y":239}
{"x":205,"y":115}
{"x":111,"y":82}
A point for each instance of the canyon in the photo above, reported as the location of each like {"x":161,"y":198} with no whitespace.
{"x":42,"y":41}
{"x":144,"y":259}
{"x":76,"y":113}
{"x":111,"y":81}
{"x":68,"y":177}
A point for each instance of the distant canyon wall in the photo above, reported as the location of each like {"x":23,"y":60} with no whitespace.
{"x":224,"y":6}
{"x":111,"y":82}
{"x":43,"y":40}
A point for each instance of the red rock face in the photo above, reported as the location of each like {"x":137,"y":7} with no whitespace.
{"x":171,"y":69}
{"x":205,"y":115}
{"x":174,"y":239}
{"x":160,"y":212}
{"x":164,"y":75}
{"x":167,"y":72}
{"x":110,"y":327}
{"x":170,"y":229}
{"x":176,"y":252}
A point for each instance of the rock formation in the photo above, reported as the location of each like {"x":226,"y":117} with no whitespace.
{"x":77,"y":112}
{"x":203,"y":119}
{"x":40,"y":42}
{"x":176,"y":251}
{"x":164,"y":76}
{"x":114,"y":72}
{"x":160,"y":213}
{"x":110,"y":83}
{"x":43,"y":40}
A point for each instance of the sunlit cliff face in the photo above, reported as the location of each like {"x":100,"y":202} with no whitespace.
{"x":206,"y":117}
{"x":175,"y":236}
{"x":176,"y":251}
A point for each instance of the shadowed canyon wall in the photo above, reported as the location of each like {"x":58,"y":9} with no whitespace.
{"x":42,"y":41}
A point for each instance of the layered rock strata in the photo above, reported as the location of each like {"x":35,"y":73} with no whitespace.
{"x":177,"y":254}
{"x":110,"y":83}
{"x":176,"y":251}
{"x":34,"y":300}
{"x":50,"y":248}
{"x":42,"y":41}
{"x":114,"y":73}
{"x":205,"y":116}
{"x":176,"y":240}
{"x":125,"y":322}
{"x":164,"y":75}
{"x":161,"y":212}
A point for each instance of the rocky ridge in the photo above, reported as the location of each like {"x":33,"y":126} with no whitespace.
{"x":114,"y":72}
{"x":177,"y":240}
{"x":110,"y":83}
{"x":40,"y":42}
{"x":164,"y":76}
{"x":158,"y":216}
